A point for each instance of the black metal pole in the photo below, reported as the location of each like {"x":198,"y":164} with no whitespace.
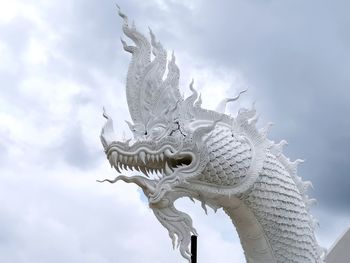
{"x":194,"y":249}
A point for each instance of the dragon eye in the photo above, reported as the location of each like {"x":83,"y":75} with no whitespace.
{"x":157,"y":132}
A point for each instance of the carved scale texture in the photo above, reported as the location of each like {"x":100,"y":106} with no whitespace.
{"x":230,"y":158}
{"x":279,"y":208}
{"x":274,"y":198}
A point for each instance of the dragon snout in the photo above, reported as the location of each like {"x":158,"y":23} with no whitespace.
{"x":153,"y":162}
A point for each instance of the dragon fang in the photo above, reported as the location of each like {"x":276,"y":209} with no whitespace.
{"x":224,"y":162}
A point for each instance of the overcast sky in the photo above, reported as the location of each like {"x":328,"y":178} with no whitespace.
{"x":62,"y":61}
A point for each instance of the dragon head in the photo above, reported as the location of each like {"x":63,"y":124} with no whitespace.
{"x":167,"y":150}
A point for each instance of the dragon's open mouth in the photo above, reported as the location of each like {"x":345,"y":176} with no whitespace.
{"x":152,"y":163}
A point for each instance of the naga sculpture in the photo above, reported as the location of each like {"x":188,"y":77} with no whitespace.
{"x":222,"y":161}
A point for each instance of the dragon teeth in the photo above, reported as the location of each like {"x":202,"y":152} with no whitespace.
{"x":167,"y":169}
{"x":117,"y":168}
{"x":167,"y":152}
{"x":142,"y":156}
{"x":114,"y":157}
{"x":130,"y":163}
{"x":111,"y":161}
{"x":143,"y":170}
{"x":159,"y":173}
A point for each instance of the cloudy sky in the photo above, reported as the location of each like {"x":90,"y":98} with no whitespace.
{"x":62,"y":61}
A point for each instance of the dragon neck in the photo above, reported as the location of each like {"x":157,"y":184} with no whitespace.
{"x":255,"y":244}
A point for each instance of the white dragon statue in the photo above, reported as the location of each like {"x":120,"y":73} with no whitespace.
{"x":222,"y":161}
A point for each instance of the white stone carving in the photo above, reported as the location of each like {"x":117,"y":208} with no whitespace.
{"x":222,"y":161}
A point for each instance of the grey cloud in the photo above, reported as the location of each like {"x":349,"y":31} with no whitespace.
{"x":76,"y":152}
{"x":3,"y":153}
{"x":16,"y":33}
{"x":296,"y":57}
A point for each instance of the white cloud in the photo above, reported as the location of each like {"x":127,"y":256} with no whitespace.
{"x":9,"y":10}
{"x":36,"y":53}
